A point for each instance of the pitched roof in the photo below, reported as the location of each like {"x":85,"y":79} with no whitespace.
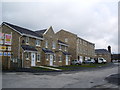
{"x":41,"y":31}
{"x":28,"y":48}
{"x":101,"y":51}
{"x":23,"y":30}
{"x":63,"y":43}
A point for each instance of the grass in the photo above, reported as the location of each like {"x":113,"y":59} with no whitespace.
{"x":74,"y":67}
{"x":41,"y":69}
{"x":69,"y":67}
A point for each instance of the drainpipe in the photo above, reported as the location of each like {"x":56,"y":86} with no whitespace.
{"x":19,"y":50}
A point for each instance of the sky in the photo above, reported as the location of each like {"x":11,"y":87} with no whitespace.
{"x":93,"y":20}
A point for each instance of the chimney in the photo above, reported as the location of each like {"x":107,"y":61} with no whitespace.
{"x":109,"y":49}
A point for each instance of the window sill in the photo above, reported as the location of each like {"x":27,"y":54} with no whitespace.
{"x":60,"y":49}
{"x":27,"y":44}
{"x":38,"y":46}
{"x":53,"y":48}
{"x":27,"y":59}
{"x":38,"y":61}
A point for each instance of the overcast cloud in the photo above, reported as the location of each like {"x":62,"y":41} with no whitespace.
{"x":93,"y":20}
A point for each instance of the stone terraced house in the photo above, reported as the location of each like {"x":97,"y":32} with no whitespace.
{"x":30,"y":48}
{"x":79,"y":48}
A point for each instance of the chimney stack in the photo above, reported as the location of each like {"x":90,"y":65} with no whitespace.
{"x":109,"y":49}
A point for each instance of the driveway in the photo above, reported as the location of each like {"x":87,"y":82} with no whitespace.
{"x":81,"y":79}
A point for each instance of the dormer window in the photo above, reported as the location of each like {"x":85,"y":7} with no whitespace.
{"x":38,"y":42}
{"x":27,"y":40}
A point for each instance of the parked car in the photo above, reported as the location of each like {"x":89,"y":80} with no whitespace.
{"x":76,"y":62}
{"x":89,"y":61}
{"x":102,"y":60}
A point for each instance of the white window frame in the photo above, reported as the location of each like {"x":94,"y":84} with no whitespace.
{"x":66,"y":39}
{"x":27,"y":56}
{"x":53,"y":45}
{"x":60,"y":47}
{"x":38,"y":42}
{"x":38,"y":57}
{"x":60,"y":58}
{"x":65,"y":48}
{"x":27,"y":40}
{"x":47,"y":57}
{"x":46,"y":44}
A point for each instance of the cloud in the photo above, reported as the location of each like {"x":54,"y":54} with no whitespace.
{"x":93,"y":20}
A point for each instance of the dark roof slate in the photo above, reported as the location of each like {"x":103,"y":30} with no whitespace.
{"x":28,"y":48}
{"x":23,"y":30}
{"x":101,"y":51}
{"x":41,"y":31}
{"x":47,"y":50}
{"x":66,"y":53}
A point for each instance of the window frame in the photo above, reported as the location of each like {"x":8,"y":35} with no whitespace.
{"x":27,"y":40}
{"x":38,"y":57}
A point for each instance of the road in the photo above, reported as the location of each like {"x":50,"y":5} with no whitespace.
{"x":80,"y":79}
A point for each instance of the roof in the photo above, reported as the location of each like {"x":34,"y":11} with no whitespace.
{"x":66,"y":53}
{"x":47,"y":50}
{"x":62,"y":43}
{"x":101,"y":51}
{"x":41,"y":31}
{"x":28,"y":48}
{"x":23,"y":30}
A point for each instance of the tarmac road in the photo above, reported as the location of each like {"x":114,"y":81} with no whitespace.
{"x":81,"y":79}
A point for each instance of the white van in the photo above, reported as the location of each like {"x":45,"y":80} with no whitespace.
{"x":102,"y":60}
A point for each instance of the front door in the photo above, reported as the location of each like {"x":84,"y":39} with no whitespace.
{"x":66,"y":59}
{"x":33,"y":59}
{"x":51,"y":60}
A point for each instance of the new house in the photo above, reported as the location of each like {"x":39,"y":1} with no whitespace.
{"x":25,"y":46}
{"x":55,"y":52}
{"x":79,"y":48}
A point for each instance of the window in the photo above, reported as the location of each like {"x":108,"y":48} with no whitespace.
{"x":46,"y":44}
{"x":47,"y":56}
{"x":66,"y":39}
{"x":60,"y":58}
{"x":53,"y":45}
{"x":60,"y":47}
{"x":65,"y":48}
{"x":38,"y":42}
{"x":27,"y":40}
{"x":38,"y":57}
{"x":27,"y":56}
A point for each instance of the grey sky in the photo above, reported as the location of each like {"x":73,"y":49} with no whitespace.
{"x":93,"y":20}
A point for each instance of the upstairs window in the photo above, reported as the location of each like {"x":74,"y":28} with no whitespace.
{"x":38,"y":42}
{"x":46,"y":44}
{"x":27,"y":40}
{"x":53,"y":45}
{"x":66,"y":39}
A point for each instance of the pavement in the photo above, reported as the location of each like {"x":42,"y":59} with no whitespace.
{"x":89,"y":78}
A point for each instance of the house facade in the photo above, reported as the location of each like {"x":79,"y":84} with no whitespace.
{"x":29,"y":48}
{"x":25,"y":46}
{"x":79,"y":48}
{"x":55,"y":52}
{"x":103,"y":53}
